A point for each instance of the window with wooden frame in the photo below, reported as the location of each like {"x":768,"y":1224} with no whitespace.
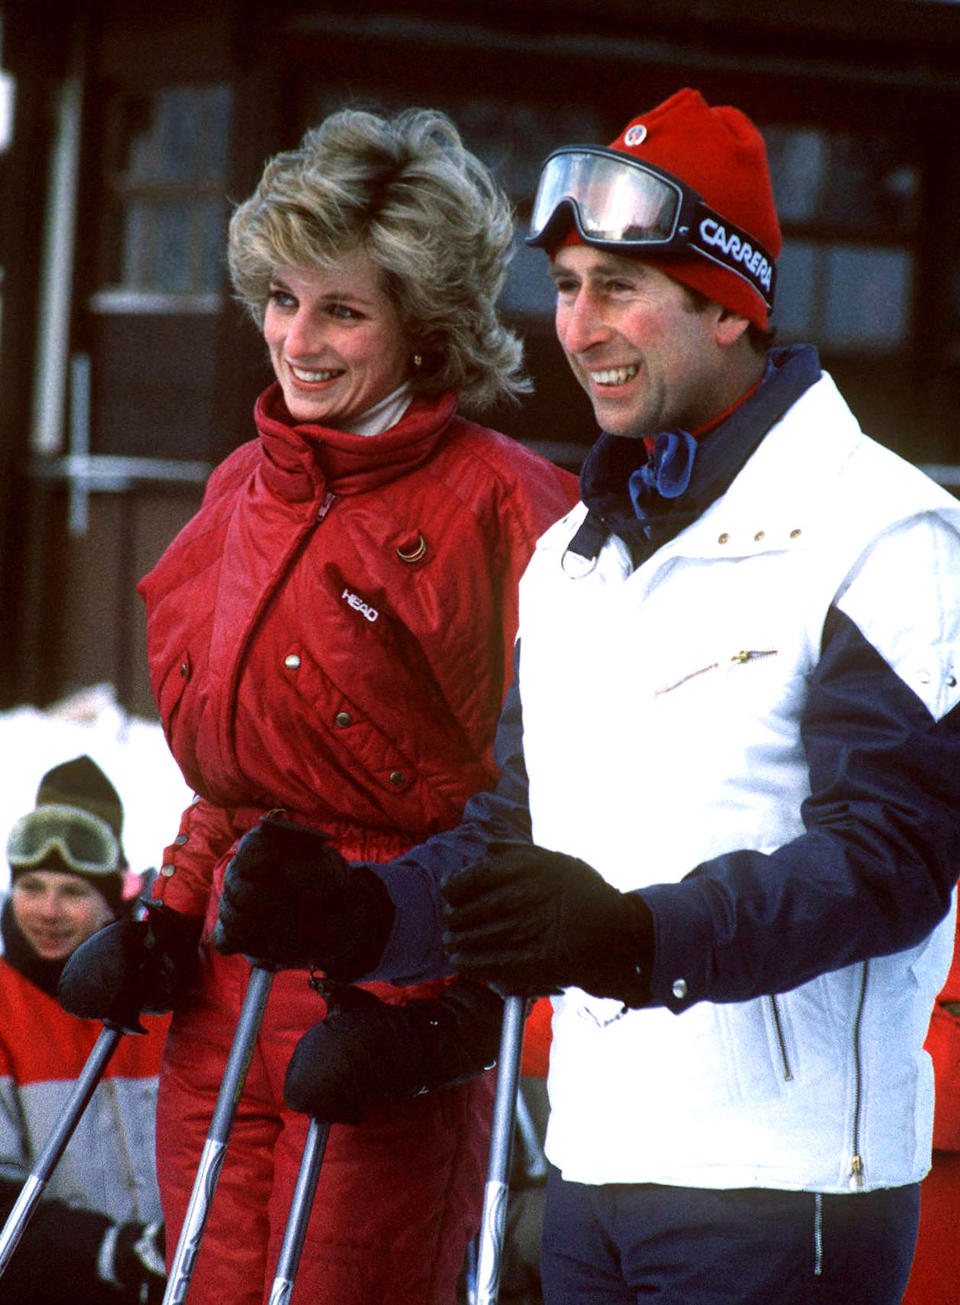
{"x":849,"y":208}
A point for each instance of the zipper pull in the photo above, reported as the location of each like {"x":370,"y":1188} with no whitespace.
{"x":856,"y":1173}
{"x":326,"y":505}
{"x":737,"y":659}
{"x":748,"y":654}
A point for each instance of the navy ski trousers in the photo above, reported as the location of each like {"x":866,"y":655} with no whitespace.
{"x":621,"y":1244}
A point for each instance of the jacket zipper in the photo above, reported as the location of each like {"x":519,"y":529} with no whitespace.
{"x":855,"y":1176}
{"x":778,"y":1025}
{"x":738,"y":658}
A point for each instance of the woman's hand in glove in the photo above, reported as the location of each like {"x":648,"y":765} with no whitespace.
{"x":367,"y":1051}
{"x":290,"y":899}
{"x":132,"y":967}
{"x":531,"y":921}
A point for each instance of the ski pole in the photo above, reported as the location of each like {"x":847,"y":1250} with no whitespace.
{"x":494,"y":1217}
{"x":536,"y":1164}
{"x":295,"y":1232}
{"x":221,"y":1122}
{"x":56,"y":1143}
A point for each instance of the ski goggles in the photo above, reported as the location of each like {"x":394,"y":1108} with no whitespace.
{"x":624,"y":205}
{"x":84,"y":843}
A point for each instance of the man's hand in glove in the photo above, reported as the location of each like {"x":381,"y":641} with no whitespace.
{"x":132,"y":967}
{"x":530,"y":921}
{"x":131,"y":1259}
{"x":290,"y":899}
{"x":366,"y":1051}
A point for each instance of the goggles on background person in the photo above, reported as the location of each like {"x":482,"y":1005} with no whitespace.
{"x":84,"y":843}
{"x":624,"y":205}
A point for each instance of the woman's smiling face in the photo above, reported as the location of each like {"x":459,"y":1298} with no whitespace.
{"x":335,"y":340}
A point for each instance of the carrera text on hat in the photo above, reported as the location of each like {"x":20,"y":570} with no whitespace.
{"x":737,"y":249}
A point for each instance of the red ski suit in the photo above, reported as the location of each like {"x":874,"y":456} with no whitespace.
{"x":332,"y":635}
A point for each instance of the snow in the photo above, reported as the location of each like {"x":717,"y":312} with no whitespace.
{"x":131,"y":751}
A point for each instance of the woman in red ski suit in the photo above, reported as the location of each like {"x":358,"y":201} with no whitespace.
{"x":331,"y":638}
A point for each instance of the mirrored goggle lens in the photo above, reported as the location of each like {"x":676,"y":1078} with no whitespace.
{"x":84,"y":841}
{"x":614,"y":198}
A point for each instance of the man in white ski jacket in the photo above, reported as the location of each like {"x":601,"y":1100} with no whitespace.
{"x":727,"y":829}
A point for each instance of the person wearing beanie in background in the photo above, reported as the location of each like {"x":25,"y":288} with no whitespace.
{"x":726,"y":831}
{"x":96,"y":1237}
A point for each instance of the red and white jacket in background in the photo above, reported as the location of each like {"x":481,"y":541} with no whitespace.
{"x":108,"y":1165}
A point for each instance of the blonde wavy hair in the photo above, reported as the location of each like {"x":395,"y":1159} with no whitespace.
{"x":406,"y":192}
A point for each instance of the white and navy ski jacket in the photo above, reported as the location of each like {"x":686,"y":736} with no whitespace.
{"x":750,"y":716}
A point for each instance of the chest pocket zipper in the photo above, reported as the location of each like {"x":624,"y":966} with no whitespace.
{"x":781,"y":1041}
{"x":737,"y":659}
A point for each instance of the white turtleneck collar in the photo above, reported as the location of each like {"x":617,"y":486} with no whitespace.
{"x":382,"y":415}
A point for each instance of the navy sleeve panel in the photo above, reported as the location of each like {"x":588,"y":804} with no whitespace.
{"x":413,"y":951}
{"x":871,"y":875}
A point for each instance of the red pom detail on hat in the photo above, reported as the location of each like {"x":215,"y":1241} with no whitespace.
{"x":721,"y":154}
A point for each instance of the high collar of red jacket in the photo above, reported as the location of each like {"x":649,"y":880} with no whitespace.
{"x":300,"y":459}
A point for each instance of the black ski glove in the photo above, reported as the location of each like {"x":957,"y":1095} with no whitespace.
{"x":133,"y":967}
{"x":531,"y":921}
{"x":367,"y":1051}
{"x":290,"y":899}
{"x":131,"y":1259}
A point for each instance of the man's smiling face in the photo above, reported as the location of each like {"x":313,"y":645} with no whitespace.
{"x":647,"y":356}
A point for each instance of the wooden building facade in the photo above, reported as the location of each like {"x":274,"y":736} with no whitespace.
{"x":127,"y":371}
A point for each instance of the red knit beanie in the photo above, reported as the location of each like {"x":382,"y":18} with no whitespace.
{"x":719,"y":153}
